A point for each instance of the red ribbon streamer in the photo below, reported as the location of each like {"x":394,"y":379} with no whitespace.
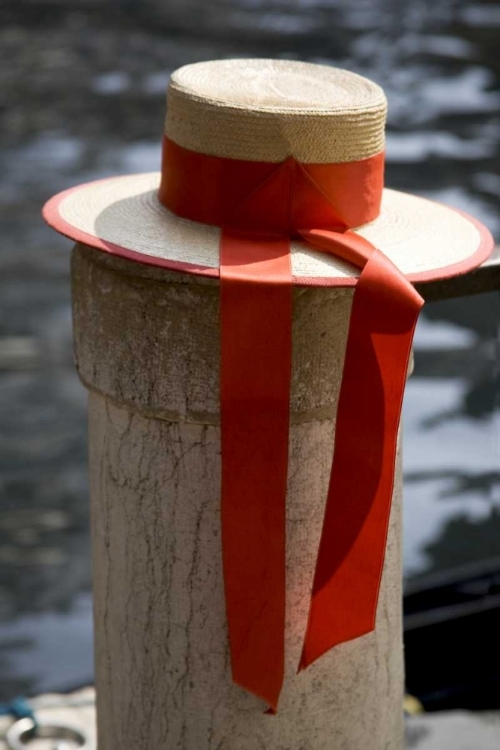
{"x":260,"y":206}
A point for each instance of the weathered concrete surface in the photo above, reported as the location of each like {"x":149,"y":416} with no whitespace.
{"x":147,"y":346}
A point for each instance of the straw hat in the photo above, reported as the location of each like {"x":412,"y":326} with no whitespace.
{"x":266,"y":111}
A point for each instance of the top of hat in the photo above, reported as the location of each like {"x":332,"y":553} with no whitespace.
{"x":267,"y":110}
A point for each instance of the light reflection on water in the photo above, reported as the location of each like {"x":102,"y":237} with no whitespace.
{"x":438,"y":64}
{"x":437,"y":462}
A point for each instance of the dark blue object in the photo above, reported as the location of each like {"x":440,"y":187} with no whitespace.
{"x":19,"y":708}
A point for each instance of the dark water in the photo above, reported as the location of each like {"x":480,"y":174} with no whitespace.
{"x":82,"y":97}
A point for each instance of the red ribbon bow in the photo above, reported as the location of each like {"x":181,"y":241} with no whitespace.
{"x":260,"y":207}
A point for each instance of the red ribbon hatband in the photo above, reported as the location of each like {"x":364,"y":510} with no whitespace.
{"x":260,"y":207}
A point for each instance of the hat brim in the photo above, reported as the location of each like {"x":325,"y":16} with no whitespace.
{"x":122,"y":216}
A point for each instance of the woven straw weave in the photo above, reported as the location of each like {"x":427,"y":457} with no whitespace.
{"x":267,"y":110}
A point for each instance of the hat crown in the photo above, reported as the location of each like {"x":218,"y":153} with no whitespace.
{"x":268,"y":110}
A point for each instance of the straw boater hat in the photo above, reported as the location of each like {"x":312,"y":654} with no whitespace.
{"x":268,"y":110}
{"x":272,"y":175}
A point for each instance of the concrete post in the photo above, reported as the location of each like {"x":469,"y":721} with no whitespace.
{"x":147,"y":348}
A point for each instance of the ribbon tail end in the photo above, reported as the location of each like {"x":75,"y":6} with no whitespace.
{"x":306,"y":661}
{"x":303,"y":663}
{"x":310,"y":654}
{"x":269,"y":695}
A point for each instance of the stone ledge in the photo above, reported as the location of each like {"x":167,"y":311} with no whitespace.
{"x":447,"y":730}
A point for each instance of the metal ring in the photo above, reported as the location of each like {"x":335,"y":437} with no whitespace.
{"x":25,"y":730}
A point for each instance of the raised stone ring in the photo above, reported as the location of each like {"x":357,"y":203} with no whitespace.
{"x":20,"y":735}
